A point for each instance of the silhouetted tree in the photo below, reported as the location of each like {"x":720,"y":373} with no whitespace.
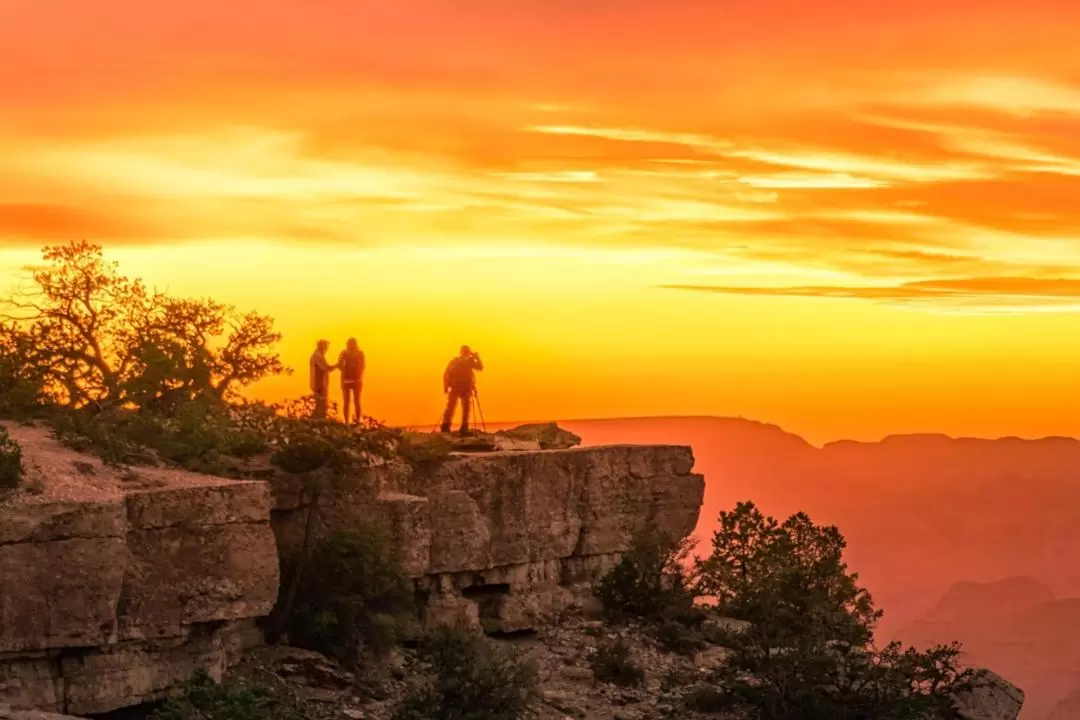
{"x":96,"y":337}
{"x":808,"y":651}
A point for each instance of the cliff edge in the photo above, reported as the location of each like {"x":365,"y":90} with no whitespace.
{"x":115,"y":585}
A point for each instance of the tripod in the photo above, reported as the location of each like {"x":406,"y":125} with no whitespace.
{"x":476,"y":413}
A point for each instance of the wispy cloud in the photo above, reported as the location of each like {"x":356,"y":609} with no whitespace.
{"x":688,"y":125}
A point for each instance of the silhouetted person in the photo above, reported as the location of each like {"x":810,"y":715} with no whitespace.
{"x":459,"y":384}
{"x":351,"y":363}
{"x":319,"y":370}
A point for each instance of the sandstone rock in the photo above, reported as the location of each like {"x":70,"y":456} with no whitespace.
{"x":525,"y":530}
{"x":452,"y":610}
{"x":111,"y":592}
{"x":993,"y":698}
{"x":547,"y":436}
{"x":7,"y":713}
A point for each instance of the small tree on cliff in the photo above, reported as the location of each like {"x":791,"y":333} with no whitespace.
{"x":97,"y":338}
{"x":808,"y":651}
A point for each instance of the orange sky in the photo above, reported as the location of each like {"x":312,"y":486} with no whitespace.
{"x":850,"y":218}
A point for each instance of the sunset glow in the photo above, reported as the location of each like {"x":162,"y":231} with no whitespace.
{"x":847,"y":218}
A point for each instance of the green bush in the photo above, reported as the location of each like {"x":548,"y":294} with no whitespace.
{"x":612,"y":664}
{"x":678,"y":638}
{"x":352,"y":596}
{"x":652,"y":581}
{"x":424,"y":452}
{"x":809,"y":650}
{"x":11,"y":462}
{"x":468,"y":678}
{"x":203,"y":699}
{"x":706,"y":700}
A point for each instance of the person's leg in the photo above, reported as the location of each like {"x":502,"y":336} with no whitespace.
{"x":356,"y":404}
{"x":466,"y":407}
{"x":320,"y":405}
{"x":346,"y":398}
{"x":448,"y":415}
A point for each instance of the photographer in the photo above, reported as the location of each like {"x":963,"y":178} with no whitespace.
{"x":459,"y":384}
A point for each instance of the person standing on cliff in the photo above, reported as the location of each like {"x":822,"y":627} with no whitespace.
{"x":319,"y":372}
{"x":459,"y":384}
{"x":352,"y":363}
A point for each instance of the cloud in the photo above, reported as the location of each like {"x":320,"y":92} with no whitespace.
{"x":33,"y":223}
{"x":989,"y":293}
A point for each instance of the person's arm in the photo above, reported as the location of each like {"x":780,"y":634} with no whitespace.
{"x":363,"y":363}
{"x":478,"y":364}
{"x":446,"y":377}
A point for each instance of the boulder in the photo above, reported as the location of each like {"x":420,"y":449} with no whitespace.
{"x":547,"y":436}
{"x":991,"y":698}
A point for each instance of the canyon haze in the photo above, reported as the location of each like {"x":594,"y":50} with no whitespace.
{"x":957,"y":538}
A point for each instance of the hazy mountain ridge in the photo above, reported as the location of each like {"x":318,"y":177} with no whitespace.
{"x":930,"y":520}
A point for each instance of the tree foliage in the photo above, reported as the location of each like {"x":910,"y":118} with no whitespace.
{"x":353,"y":596}
{"x":95,"y":337}
{"x":652,"y":581}
{"x":789,"y":579}
{"x":809,"y":649}
{"x":11,"y":462}
{"x":468,"y":678}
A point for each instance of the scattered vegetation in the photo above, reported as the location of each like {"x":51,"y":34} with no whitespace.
{"x":139,"y":377}
{"x":808,"y":649}
{"x":613,"y":664}
{"x":201,"y":698}
{"x":468,"y":678}
{"x":652,"y":581}
{"x":352,"y":598}
{"x":11,"y":462}
{"x":424,"y":452}
{"x":677,"y":637}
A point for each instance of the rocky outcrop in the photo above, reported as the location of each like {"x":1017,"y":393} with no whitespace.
{"x":547,"y":436}
{"x":991,"y":698}
{"x":115,"y":586}
{"x":7,"y":713}
{"x":504,"y":538}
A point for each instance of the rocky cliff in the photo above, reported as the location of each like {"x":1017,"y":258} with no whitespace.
{"x":117,"y":585}
{"x":504,"y":538}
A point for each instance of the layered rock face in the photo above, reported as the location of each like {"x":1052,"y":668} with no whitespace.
{"x":116,"y":586}
{"x":504,"y":538}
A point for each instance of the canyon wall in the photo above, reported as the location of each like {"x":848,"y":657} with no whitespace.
{"x":115,"y":585}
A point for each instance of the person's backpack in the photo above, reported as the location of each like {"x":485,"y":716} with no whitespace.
{"x":459,"y":374}
{"x":352,"y":366}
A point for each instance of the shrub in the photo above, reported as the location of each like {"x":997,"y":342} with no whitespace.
{"x":11,"y":462}
{"x":809,"y":651}
{"x":676,"y":637}
{"x":652,"y":581}
{"x":612,"y":664}
{"x":22,"y":381}
{"x":352,"y":596}
{"x":306,"y":444}
{"x":706,"y":700}
{"x":424,"y":452}
{"x":468,"y":678}
{"x":200,"y":698}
